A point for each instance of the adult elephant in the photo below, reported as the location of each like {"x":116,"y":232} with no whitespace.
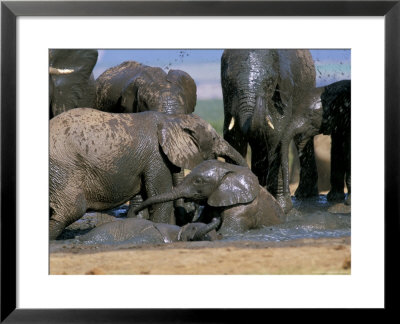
{"x":100,"y":160}
{"x":264,"y":91}
{"x":132,"y":87}
{"x":71,"y":79}
{"x":329,"y":114}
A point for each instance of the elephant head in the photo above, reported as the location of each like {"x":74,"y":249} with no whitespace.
{"x":133,"y":87}
{"x":188,"y":140}
{"x":71,"y":79}
{"x":215,"y":183}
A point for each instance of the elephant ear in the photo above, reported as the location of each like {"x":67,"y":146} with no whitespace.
{"x":185,"y":81}
{"x":178,"y":140}
{"x":235,"y":188}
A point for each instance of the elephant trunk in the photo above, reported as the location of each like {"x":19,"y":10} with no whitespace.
{"x":208,"y":228}
{"x":162,"y":198}
{"x":246,"y":113}
{"x":230,"y":154}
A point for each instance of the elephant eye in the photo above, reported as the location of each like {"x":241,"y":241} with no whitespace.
{"x":198,"y":181}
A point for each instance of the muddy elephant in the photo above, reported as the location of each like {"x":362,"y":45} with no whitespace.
{"x":139,"y":230}
{"x":100,"y":160}
{"x":329,"y":114}
{"x":228,"y":191}
{"x":133,"y":87}
{"x":264,"y":93}
{"x":71,"y":80}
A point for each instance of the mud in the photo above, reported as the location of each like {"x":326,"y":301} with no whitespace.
{"x":315,"y":239}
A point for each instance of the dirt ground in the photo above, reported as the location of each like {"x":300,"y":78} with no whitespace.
{"x":306,"y":256}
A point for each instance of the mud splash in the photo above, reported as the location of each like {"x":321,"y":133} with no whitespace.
{"x":309,"y":219}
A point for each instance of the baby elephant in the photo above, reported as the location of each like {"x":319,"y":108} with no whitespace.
{"x":144,"y":231}
{"x":232,"y":192}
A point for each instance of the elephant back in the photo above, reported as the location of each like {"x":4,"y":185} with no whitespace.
{"x":133,"y":87}
{"x":111,"y":82}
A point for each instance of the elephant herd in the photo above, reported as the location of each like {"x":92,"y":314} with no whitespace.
{"x":130,"y":134}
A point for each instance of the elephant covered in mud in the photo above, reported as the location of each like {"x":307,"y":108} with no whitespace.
{"x":100,"y":160}
{"x":71,"y":79}
{"x":329,"y":114}
{"x":228,"y":191}
{"x":139,"y":230}
{"x":133,"y":87}
{"x":265,"y":92}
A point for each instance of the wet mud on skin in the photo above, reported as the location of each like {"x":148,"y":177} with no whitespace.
{"x":315,"y":239}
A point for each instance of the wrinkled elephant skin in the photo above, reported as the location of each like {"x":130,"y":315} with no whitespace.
{"x":144,"y":231}
{"x":100,"y":160}
{"x":134,"y":87}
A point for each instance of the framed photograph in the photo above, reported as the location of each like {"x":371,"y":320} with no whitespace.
{"x":351,"y":40}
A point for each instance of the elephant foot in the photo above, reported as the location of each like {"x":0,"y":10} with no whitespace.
{"x":55,"y":229}
{"x":306,"y":192}
{"x":348,"y":200}
{"x":334,"y":196}
{"x":285,"y":201}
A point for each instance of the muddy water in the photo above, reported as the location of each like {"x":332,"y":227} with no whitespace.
{"x":311,"y":218}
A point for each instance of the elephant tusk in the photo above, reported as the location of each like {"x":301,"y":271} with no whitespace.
{"x":269,"y":122}
{"x":232,"y":123}
{"x":60,"y":71}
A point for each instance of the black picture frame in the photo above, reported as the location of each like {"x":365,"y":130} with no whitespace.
{"x":10,"y":10}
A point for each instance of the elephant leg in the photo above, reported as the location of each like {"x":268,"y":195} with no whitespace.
{"x":156,"y":184}
{"x":135,"y":202}
{"x":308,"y":183}
{"x":236,"y":220}
{"x":274,"y":183}
{"x":70,"y":212}
{"x":259,"y":162}
{"x":184,"y":212}
{"x":338,"y":169}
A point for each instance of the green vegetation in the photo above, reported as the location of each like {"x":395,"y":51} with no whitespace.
{"x":212,"y":111}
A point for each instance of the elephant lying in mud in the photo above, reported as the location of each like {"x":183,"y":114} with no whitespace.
{"x":228,"y":191}
{"x":144,"y":231}
{"x":100,"y":160}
